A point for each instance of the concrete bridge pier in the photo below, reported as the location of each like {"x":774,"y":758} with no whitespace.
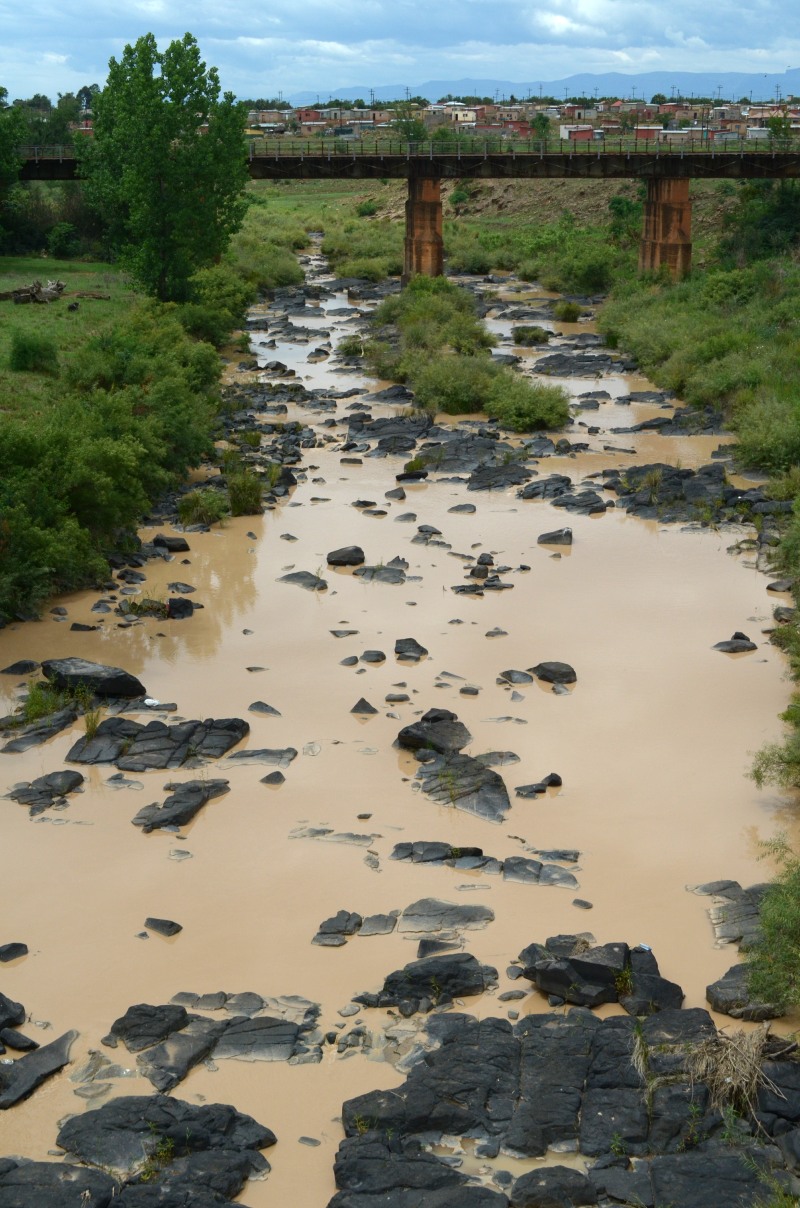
{"x":424,"y":249}
{"x":667,"y":232}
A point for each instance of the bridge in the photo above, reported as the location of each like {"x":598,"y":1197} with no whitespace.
{"x":665,"y":167}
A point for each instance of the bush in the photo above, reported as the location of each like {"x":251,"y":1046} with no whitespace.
{"x":62,"y":241}
{"x":525,"y":406}
{"x":203,"y":506}
{"x":774,"y":964}
{"x":244,"y":492}
{"x":459,"y":196}
{"x":525,"y":337}
{"x":365,"y":209}
{"x":32,"y":352}
{"x":454,"y":384}
{"x":567,"y":312}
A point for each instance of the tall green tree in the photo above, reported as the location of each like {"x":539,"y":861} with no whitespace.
{"x":12,"y":135}
{"x":166,"y":167}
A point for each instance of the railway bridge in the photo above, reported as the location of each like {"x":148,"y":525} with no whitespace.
{"x":664,"y":168}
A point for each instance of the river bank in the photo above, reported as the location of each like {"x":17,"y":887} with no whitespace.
{"x":652,"y":742}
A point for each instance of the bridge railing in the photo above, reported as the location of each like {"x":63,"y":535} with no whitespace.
{"x":469,"y":147}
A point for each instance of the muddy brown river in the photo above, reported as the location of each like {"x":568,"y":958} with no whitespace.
{"x":653,"y":745}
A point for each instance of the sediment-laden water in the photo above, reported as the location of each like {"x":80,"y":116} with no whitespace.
{"x":652,"y":743}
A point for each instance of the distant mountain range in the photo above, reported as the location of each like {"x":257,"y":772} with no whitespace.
{"x":731,"y":85}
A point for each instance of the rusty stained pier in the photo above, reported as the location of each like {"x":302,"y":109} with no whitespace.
{"x":666,"y":171}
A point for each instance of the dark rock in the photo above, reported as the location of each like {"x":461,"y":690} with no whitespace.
{"x":115,"y":1136}
{"x":15,"y":1040}
{"x":373,"y":656}
{"x":362,"y":708}
{"x":167,"y":1063}
{"x":460,"y":781}
{"x":11,"y":1013}
{"x":738,"y":644}
{"x":135,"y":748}
{"x":179,"y":609}
{"x":21,"y":1079}
{"x":438,"y":730}
{"x":437,"y":979}
{"x":273,"y":778}
{"x":431,"y":914}
{"x":561,"y":536}
{"x":45,"y":791}
{"x":181,"y":806}
{"x":394,"y":575}
{"x":41,"y":731}
{"x":163,"y":926}
{"x":707,"y":1180}
{"x":587,"y":977}
{"x":102,"y":680}
{"x":554,"y":1187}
{"x":348,"y":555}
{"x":497,"y":478}
{"x":409,"y":650}
{"x":173,"y":545}
{"x":259,"y":706}
{"x":730,"y":996}
{"x":261,"y":1039}
{"x":554,"y":673}
{"x":143,"y":1026}
{"x":21,"y":667}
{"x":304,"y":578}
{"x":12,"y":952}
{"x":516,"y":677}
{"x":54,"y":1185}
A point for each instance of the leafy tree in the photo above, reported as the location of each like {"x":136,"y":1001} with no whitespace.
{"x":12,"y":134}
{"x":87,"y":94}
{"x":408,"y":124}
{"x":658,"y":98}
{"x":166,"y":167}
{"x":780,"y":129}
{"x":541,"y":125}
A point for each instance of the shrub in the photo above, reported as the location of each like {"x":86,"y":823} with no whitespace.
{"x":203,"y":506}
{"x":527,"y":336}
{"x":774,"y":964}
{"x":454,"y":384}
{"x":459,"y":196}
{"x":525,"y":406}
{"x":32,"y":352}
{"x":244,"y":492}
{"x":62,"y":240}
{"x":567,"y":312}
{"x":350,"y":346}
{"x":365,"y":209}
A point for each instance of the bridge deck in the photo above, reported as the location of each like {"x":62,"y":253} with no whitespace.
{"x":367,"y":160}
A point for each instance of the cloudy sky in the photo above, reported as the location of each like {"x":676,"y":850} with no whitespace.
{"x":323,"y":45}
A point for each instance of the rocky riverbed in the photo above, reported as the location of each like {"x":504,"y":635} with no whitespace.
{"x":396,"y":807}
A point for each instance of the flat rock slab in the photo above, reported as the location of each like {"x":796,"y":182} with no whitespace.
{"x":19,"y":1080}
{"x":70,"y":673}
{"x":37,"y":732}
{"x":166,"y":1064}
{"x":134,"y":747}
{"x":278,"y":756}
{"x":304,"y":578}
{"x":393,"y":575}
{"x":464,"y":783}
{"x":21,"y":667}
{"x":431,"y":915}
{"x":183,"y":804}
{"x":116,"y":1136}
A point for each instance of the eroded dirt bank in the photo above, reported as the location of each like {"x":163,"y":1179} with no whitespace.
{"x":652,"y":744}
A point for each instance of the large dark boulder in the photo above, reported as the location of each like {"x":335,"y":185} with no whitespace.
{"x":438,"y":730}
{"x":709,"y":1180}
{"x":134,"y":747}
{"x":118,"y":1136}
{"x":102,"y":680}
{"x":554,"y":1187}
{"x":53,"y":1185}
{"x":348,"y":555}
{"x":587,"y":978}
{"x":554,"y":673}
{"x":433,"y":980}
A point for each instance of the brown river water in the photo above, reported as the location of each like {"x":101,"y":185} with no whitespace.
{"x":653,"y":745}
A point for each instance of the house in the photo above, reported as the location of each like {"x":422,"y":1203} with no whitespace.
{"x":576,"y":134}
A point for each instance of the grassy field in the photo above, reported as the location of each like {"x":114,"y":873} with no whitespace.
{"x":68,"y":329}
